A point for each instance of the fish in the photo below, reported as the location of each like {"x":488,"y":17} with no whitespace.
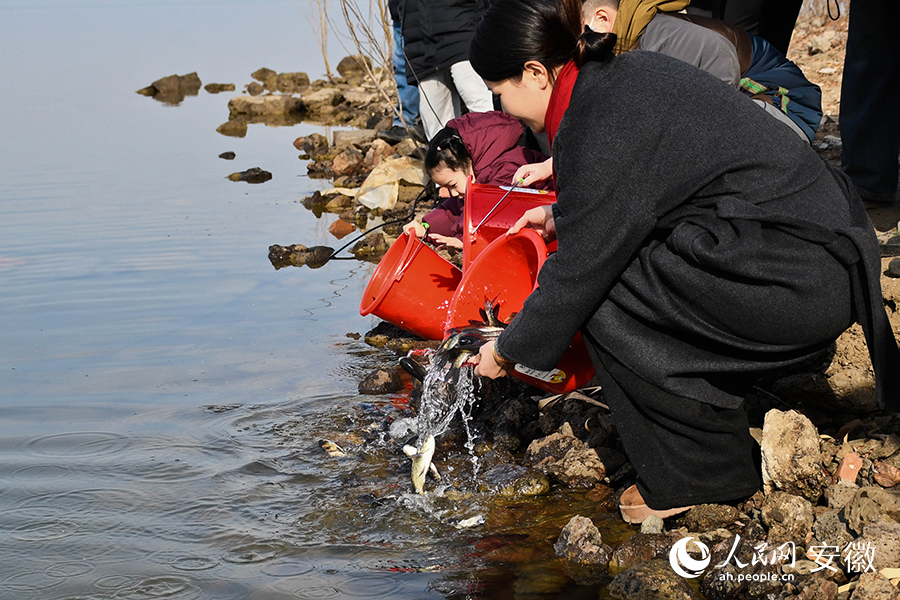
{"x":332,"y":449}
{"x":458,"y":346}
{"x":421,"y":462}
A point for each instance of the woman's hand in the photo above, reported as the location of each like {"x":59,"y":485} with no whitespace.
{"x":533,"y":173}
{"x":540,"y":219}
{"x":485,"y":365}
{"x":415,"y":229}
{"x":446,"y":241}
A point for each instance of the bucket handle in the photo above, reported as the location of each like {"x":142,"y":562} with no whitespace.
{"x":408,"y":256}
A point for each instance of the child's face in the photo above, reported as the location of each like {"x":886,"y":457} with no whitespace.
{"x":451,"y":181}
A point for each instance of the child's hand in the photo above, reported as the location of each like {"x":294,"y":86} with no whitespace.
{"x":414,"y":228}
{"x":540,"y":219}
{"x":533,"y":173}
{"x":446,"y":241}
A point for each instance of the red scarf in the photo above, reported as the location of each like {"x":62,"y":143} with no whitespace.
{"x":559,"y":99}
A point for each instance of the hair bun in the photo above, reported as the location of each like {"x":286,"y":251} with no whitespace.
{"x":593,"y":46}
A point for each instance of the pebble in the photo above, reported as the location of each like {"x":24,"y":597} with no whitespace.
{"x":227,"y":155}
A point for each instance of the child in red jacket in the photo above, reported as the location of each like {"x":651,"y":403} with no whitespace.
{"x":482,"y":145}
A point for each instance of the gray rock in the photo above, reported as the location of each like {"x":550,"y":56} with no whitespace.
{"x":181,"y":84}
{"x":788,"y":517}
{"x":581,"y":467}
{"x":791,"y":459}
{"x":319,"y":99}
{"x":894,"y":268}
{"x":641,"y":547}
{"x":874,"y":586}
{"x":819,"y":44}
{"x":291,"y":83}
{"x":651,"y":580}
{"x":829,"y":530}
{"x":653,"y":524}
{"x":264,"y":105}
{"x":217,"y":88}
{"x":174,"y":88}
{"x":349,"y":137}
{"x":358,"y":98}
{"x":871,"y":503}
{"x":353,"y":65}
{"x":263,"y":74}
{"x":382,"y":381}
{"x":840,"y":494}
{"x":255,"y":88}
{"x":298,"y":255}
{"x":514,"y":481}
{"x":705,"y":517}
{"x":349,"y":162}
{"x":253,"y":175}
{"x":372,"y":245}
{"x":236,"y":127}
{"x":580,"y":541}
{"x":555,"y":446}
{"x":883,"y":537}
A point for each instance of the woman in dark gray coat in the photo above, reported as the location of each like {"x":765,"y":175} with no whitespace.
{"x":701,"y":246}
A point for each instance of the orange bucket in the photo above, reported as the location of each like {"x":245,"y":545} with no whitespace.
{"x":489,"y":211}
{"x":412,"y":288}
{"x":507,"y":270}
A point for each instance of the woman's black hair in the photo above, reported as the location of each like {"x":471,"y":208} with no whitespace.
{"x":447,"y":148}
{"x":514,"y":32}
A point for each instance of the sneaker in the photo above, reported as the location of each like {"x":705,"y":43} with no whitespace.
{"x":417,"y":133}
{"x":394,"y":135}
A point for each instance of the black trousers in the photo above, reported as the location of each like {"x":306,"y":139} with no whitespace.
{"x":684,"y":451}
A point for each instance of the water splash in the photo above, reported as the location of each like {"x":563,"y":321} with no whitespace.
{"x":447,"y":391}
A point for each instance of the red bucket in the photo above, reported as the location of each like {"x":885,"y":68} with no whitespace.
{"x":507,"y":270}
{"x":412,"y":288}
{"x":487,"y":214}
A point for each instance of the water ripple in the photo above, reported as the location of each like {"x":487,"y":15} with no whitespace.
{"x":64,"y":570}
{"x":255,"y":552}
{"x":158,"y":587}
{"x":78,"y":444}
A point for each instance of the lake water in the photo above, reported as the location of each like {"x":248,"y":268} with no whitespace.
{"x":162,"y":387}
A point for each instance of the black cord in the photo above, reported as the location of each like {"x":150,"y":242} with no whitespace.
{"x":837,"y":5}
{"x":411,"y":214}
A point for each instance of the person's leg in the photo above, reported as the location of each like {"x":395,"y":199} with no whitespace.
{"x":777,"y":22}
{"x":408,"y":94}
{"x":870,"y":92}
{"x":685,"y":452}
{"x":438,"y":102}
{"x":471,"y":88}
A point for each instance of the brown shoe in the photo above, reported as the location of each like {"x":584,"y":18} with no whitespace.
{"x":634,"y":510}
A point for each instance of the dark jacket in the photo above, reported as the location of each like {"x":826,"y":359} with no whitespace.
{"x":437,"y":33}
{"x":702,"y":254}
{"x":492,"y":139}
